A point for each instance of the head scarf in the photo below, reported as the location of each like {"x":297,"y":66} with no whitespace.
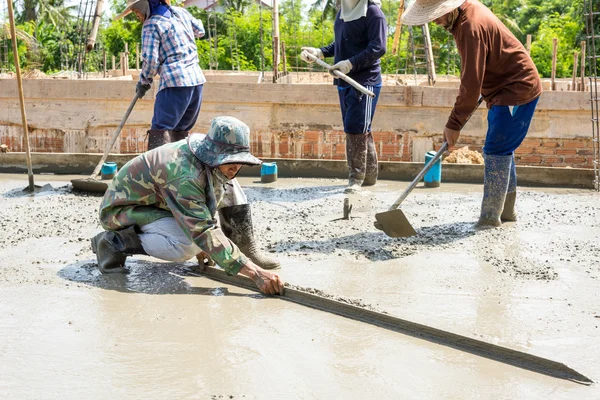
{"x":352,"y":10}
{"x":159,"y":7}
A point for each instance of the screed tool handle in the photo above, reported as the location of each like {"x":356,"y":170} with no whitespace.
{"x":114,"y":137}
{"x":342,"y":76}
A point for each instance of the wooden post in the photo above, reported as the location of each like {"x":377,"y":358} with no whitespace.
{"x":137,"y":56}
{"x":528,"y":46}
{"x":574,"y":81}
{"x":104,"y":55}
{"x":283,"y":58}
{"x":122,"y":58}
{"x":398,"y":31}
{"x":431,"y":77}
{"x":553,"y":73}
{"x":275,"y":38}
{"x":582,"y":86}
{"x":113,"y":63}
{"x":13,"y":36}
{"x":126,"y":58}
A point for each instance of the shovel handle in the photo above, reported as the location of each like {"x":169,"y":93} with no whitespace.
{"x":342,"y":76}
{"x":419,"y":177}
{"x":428,"y":166}
{"x":114,"y":137}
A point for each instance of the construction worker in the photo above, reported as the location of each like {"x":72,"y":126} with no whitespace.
{"x":163,"y":203}
{"x":497,"y":66}
{"x":169,"y":48}
{"x":360,"y":41}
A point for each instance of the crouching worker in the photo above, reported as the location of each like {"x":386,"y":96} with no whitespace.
{"x":163,"y":203}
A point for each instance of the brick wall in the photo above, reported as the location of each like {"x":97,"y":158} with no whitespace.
{"x":328,"y":145}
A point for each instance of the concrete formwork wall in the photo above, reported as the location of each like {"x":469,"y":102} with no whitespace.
{"x":287,"y":121}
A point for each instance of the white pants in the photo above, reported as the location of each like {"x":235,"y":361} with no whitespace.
{"x":166,"y":240}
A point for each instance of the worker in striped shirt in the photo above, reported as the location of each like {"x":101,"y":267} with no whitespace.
{"x":169,"y":49}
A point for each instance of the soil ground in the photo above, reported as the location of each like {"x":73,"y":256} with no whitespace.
{"x":162,"y":332}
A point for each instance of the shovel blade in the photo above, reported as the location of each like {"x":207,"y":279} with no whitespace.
{"x":395,"y":224}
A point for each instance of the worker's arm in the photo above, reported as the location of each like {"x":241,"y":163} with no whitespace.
{"x":150,"y":46}
{"x":473,"y":53}
{"x":377,"y":34}
{"x":187,"y":201}
{"x":197,"y":25}
{"x":328,"y":51}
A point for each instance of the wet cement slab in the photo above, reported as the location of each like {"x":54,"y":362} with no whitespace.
{"x":161,"y":332}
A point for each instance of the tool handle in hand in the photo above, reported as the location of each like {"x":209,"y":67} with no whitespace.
{"x":342,"y":76}
{"x":114,"y":137}
{"x":416,"y":181}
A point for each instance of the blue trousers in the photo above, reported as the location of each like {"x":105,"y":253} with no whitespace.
{"x":506,"y":129}
{"x":177,"y":108}
{"x":357,"y":109}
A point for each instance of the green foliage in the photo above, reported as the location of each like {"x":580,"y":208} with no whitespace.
{"x":233,"y":38}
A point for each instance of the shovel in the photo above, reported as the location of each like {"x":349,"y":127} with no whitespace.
{"x":393,"y":222}
{"x":92,"y":184}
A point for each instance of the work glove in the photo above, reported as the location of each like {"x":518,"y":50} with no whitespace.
{"x":141,"y":89}
{"x":344,"y":67}
{"x":310,"y":50}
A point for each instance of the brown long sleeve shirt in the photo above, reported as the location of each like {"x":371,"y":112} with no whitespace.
{"x":494,"y":64}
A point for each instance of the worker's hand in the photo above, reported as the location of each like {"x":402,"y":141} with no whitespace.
{"x":451,"y":136}
{"x":141,"y":89}
{"x":343,"y":66}
{"x":204,"y":260}
{"x":268,"y":282}
{"x":310,"y":50}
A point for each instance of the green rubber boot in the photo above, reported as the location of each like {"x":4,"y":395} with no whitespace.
{"x":495,"y":186}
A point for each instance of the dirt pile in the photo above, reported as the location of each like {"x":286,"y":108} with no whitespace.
{"x":464,"y":156}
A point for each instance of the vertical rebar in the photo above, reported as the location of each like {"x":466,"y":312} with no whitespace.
{"x":593,"y":79}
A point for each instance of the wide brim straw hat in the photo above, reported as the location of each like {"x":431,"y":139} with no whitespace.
{"x":423,"y":11}
{"x":130,"y":5}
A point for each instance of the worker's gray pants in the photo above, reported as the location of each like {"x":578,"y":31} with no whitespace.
{"x":166,"y":240}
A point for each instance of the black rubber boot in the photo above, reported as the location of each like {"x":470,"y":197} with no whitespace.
{"x":356,"y":155}
{"x":372,"y":169}
{"x":157,"y":137}
{"x":176,"y":136}
{"x":113,"y":247}
{"x":236,"y":224}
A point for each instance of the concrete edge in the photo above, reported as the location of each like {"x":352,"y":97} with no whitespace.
{"x":463,"y":343}
{"x":84,"y":163}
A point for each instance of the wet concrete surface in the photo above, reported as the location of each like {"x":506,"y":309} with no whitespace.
{"x":69,"y":332}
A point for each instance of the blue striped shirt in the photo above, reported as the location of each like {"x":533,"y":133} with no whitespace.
{"x":169,"y":49}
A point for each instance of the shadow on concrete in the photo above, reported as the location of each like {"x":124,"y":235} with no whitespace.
{"x":39,"y":191}
{"x":376,"y":246}
{"x":145,"y":277}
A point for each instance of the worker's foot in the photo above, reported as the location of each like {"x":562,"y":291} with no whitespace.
{"x":354,"y":186}
{"x":495,"y":185}
{"x":236,"y":224}
{"x":487,"y":223}
{"x":113,"y":247}
{"x":110,"y":259}
{"x":508,"y":212}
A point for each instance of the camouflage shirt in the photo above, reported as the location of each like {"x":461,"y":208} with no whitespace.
{"x":169,"y":182}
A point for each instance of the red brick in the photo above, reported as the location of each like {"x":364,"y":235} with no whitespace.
{"x":585,"y":152}
{"x":389,"y":149}
{"x":531,"y":142}
{"x":312,"y":136}
{"x":576,"y":143}
{"x":284,"y":147}
{"x":544,"y":150}
{"x":550,"y":143}
{"x":566,"y":152}
{"x":326,"y":150}
{"x":525,"y":150}
{"x":307,"y":149}
{"x":531,"y":159}
{"x":551,"y":160}
{"x":340,"y":149}
{"x":575,"y":160}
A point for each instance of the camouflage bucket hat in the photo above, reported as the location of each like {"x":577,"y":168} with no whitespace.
{"x":227,"y":142}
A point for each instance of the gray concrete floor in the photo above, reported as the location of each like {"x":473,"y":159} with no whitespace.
{"x":69,"y":332}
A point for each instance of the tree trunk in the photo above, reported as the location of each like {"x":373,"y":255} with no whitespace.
{"x":30,"y":13}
